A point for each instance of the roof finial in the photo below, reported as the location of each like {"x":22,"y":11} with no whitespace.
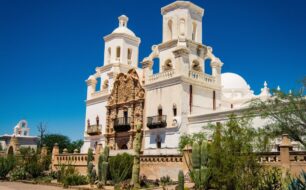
{"x":123,"y":21}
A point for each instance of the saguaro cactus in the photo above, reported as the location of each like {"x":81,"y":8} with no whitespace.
{"x":200,"y":172}
{"x":181,"y":180}
{"x":136,"y":164}
{"x":103,"y":166}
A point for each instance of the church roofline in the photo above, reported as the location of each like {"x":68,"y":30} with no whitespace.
{"x":182,"y":4}
{"x":122,"y":35}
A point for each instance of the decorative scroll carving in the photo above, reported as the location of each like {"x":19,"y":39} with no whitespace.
{"x":127,"y":96}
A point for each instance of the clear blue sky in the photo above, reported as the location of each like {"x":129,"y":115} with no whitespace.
{"x":49,"y":47}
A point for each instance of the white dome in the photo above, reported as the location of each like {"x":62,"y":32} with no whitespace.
{"x":233,"y":81}
{"x":123,"y":30}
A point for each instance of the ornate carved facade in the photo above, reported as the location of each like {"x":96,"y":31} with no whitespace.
{"x":124,"y":110}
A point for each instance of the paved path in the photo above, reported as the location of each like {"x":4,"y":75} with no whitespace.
{"x":23,"y":186}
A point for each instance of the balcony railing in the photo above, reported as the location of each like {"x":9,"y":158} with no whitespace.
{"x":159,"y":121}
{"x":122,"y":124}
{"x":94,"y":129}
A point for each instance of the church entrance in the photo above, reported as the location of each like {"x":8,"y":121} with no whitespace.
{"x":124,"y":110}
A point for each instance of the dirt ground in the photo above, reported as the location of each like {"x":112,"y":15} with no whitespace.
{"x":23,"y":186}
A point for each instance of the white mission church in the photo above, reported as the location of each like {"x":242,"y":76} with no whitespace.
{"x":180,"y":99}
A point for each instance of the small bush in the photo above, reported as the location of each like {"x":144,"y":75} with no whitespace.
{"x":74,"y":179}
{"x":34,"y":168}
{"x":120,"y":167}
{"x":6,"y":165}
{"x":45,"y":179}
{"x":165,"y":180}
{"x":18,"y":173}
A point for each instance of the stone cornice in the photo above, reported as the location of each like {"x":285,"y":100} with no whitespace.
{"x":182,"y":4}
{"x":167,"y":45}
{"x":180,"y":79}
{"x":131,"y":39}
{"x":216,"y":116}
{"x":96,"y":100}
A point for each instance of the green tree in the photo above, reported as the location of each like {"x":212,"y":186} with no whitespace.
{"x":286,"y":112}
{"x":62,"y":140}
{"x":187,"y":139}
{"x":233,"y":163}
{"x":75,"y":145}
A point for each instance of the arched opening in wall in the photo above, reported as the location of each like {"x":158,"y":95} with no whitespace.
{"x":156,"y":65}
{"x":182,"y":27}
{"x":158,"y":141}
{"x":98,"y":85}
{"x":10,"y":151}
{"x":170,"y":32}
{"x":124,"y":147}
{"x":196,"y":66}
{"x":207,"y":66}
{"x":118,"y":51}
{"x":214,"y":100}
{"x":194,"y":31}
{"x":160,"y":110}
{"x":174,"y":110}
{"x":129,"y":55}
{"x":168,"y":65}
{"x":109,"y":52}
{"x":105,"y":84}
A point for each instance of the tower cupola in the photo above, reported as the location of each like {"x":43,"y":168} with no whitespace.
{"x":121,"y":46}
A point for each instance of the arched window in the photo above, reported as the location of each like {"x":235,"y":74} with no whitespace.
{"x":170,"y":23}
{"x":109,"y":51}
{"x":160,"y":110}
{"x":214,"y":100}
{"x":98,"y":85}
{"x":158,"y":141}
{"x":194,"y":31}
{"x":167,"y":65}
{"x":118,"y":52}
{"x":174,"y":110}
{"x":182,"y":27}
{"x":196,"y":65}
{"x":129,"y":54}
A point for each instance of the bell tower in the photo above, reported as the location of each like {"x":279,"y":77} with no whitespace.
{"x":182,"y":19}
{"x":121,"y":46}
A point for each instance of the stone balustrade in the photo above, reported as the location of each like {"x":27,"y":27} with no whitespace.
{"x":161,"y":76}
{"x":195,"y":75}
{"x":99,"y":93}
{"x":202,"y":77}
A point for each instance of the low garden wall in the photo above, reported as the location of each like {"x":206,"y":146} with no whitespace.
{"x":157,"y":166}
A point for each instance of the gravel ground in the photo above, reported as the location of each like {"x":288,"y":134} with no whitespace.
{"x":23,"y":186}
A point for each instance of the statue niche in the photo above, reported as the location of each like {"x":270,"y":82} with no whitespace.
{"x":124,"y":110}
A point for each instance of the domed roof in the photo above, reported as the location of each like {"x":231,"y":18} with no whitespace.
{"x":123,"y":29}
{"x":233,"y":81}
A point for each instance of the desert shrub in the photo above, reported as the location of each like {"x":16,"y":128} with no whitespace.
{"x":298,"y":183}
{"x":120,"y":167}
{"x":6,"y":165}
{"x":34,"y":168}
{"x":64,"y":170}
{"x":165,"y":180}
{"x":44,"y":179}
{"x":18,"y":173}
{"x":271,"y":178}
{"x":74,"y":179}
